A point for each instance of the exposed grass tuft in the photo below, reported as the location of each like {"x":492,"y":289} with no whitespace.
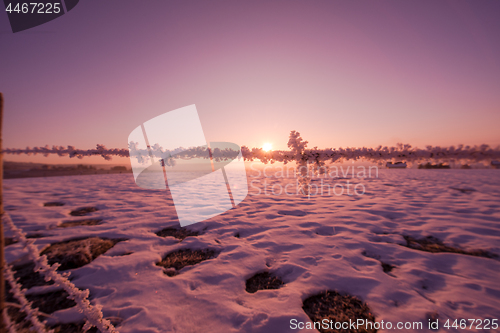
{"x":46,"y":303}
{"x":51,"y":302}
{"x":463,"y":190}
{"x":36,"y":236}
{"x":336,"y":307}
{"x":9,"y":241}
{"x":387,"y":267}
{"x":263,"y":281}
{"x":83,"y":211}
{"x":24,"y":325}
{"x":434,"y":245}
{"x":78,"y":252}
{"x":179,"y":233}
{"x":72,"y":328}
{"x":53,"y":204}
{"x":432,"y":317}
{"x":28,"y":277}
{"x":70,"y":224}
{"x":175,"y":261}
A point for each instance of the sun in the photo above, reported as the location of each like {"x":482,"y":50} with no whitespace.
{"x":267,"y":146}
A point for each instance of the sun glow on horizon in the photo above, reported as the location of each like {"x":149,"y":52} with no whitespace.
{"x":267,"y":146}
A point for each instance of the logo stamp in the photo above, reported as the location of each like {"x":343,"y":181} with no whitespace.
{"x":169,"y":152}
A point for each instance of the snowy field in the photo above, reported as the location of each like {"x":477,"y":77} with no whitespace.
{"x":325,"y":242}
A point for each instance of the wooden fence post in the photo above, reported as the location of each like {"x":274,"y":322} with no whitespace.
{"x":2,"y":242}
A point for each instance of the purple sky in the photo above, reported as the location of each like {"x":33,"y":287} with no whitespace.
{"x":342,"y":73}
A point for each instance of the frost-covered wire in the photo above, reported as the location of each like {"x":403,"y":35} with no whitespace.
{"x":93,"y":314}
{"x":70,"y":151}
{"x":298,"y":153}
{"x":19,"y":294}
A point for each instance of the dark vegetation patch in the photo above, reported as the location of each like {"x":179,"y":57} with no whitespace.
{"x":434,"y":245}
{"x":53,"y":204}
{"x":387,"y":267}
{"x":292,"y":212}
{"x":69,"y":224}
{"x":51,"y":302}
{"x":175,"y":261}
{"x":371,"y":255}
{"x":35,"y":236}
{"x":28,"y":277}
{"x":463,"y":190}
{"x":179,"y":233}
{"x":336,"y":307}
{"x":432,"y":317}
{"x":83,"y":211}
{"x":9,"y":241}
{"x":72,"y":328}
{"x":433,"y":166}
{"x":46,"y":303}
{"x":123,"y":254}
{"x":78,"y":252}
{"x":263,"y":281}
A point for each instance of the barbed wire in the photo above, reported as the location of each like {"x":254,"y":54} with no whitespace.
{"x":93,"y":314}
{"x":298,"y":153}
{"x":20,"y":294}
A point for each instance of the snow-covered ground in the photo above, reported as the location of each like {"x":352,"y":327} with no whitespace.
{"x":323,"y":242}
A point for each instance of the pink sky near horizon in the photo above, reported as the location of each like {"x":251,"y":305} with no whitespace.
{"x":342,"y":73}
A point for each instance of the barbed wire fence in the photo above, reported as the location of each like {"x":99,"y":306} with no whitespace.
{"x":298,"y":153}
{"x":93,"y":314}
{"x":306,"y":159}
